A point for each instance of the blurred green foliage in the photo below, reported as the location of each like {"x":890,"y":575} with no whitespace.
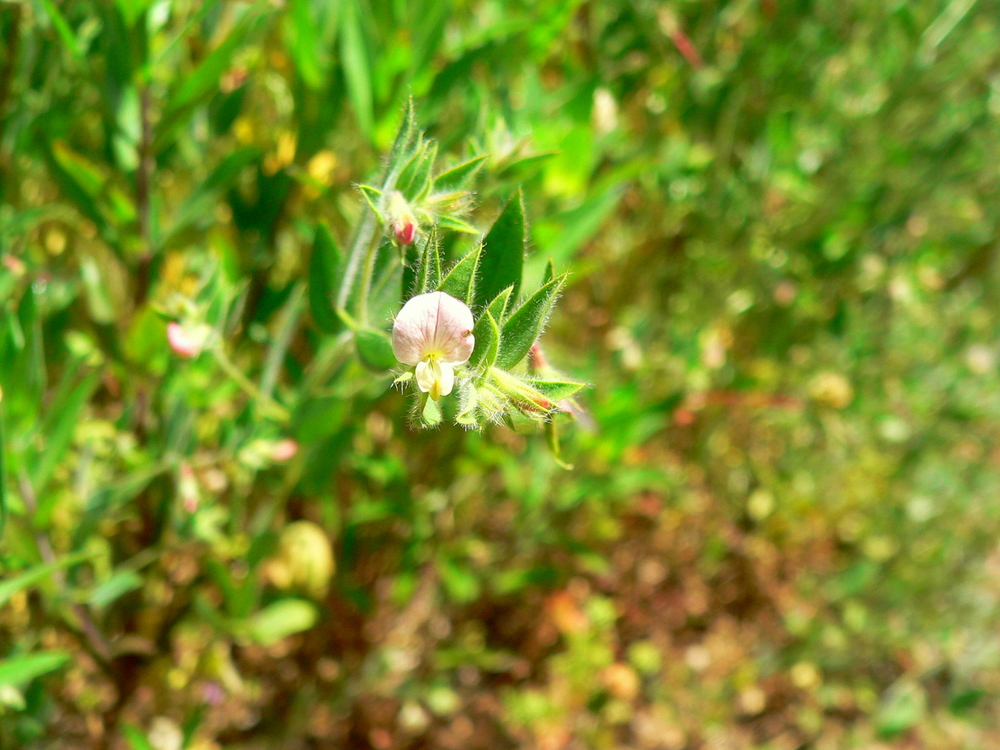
{"x":780,"y":532}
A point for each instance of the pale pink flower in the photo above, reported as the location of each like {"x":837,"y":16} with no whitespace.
{"x":190,"y":340}
{"x":434,"y":332}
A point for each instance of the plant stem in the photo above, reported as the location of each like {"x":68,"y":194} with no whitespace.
{"x":267,"y":405}
{"x":359,"y":249}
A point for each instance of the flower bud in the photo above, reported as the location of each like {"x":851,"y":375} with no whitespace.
{"x":188,"y":340}
{"x":401,"y":219}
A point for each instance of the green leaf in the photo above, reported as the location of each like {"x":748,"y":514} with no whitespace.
{"x":456,"y":225}
{"x":303,"y":44}
{"x":62,"y":28}
{"x":374,"y":350}
{"x":498,"y":307}
{"x":427,"y":274}
{"x":3,"y":480}
{"x":550,"y":272}
{"x":561,"y":236}
{"x":135,"y":737}
{"x":199,"y":207}
{"x":487,"y":334}
{"x":34,"y":575}
{"x":20,"y":670}
{"x":283,"y":618}
{"x":58,"y":431}
{"x":503,"y":253}
{"x":357,"y":69}
{"x":204,"y":80}
{"x":325,"y":269}
{"x":460,"y":282}
{"x":468,"y":403}
{"x":430,"y":413}
{"x":403,"y":143}
{"x":459,"y":176}
{"x":556,"y":390}
{"x":114,"y":588}
{"x":525,"y":325}
{"x":373,"y":197}
{"x":415,"y":178}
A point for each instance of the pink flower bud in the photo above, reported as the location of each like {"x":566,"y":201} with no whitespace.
{"x":433,"y":332}
{"x":405,"y":231}
{"x":180,"y":341}
{"x":188,"y":340}
{"x":284,"y":450}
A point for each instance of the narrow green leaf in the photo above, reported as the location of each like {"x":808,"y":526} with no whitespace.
{"x":204,"y":80}
{"x":59,"y":432}
{"x":283,"y":618}
{"x":325,"y":269}
{"x":419,"y":185}
{"x":403,"y":143}
{"x":3,"y":480}
{"x":29,"y":578}
{"x":20,"y":670}
{"x":373,"y":197}
{"x":198,"y":209}
{"x":62,"y":28}
{"x":303,"y":44}
{"x":460,"y":282}
{"x":498,"y":307}
{"x":556,"y":390}
{"x":357,"y":69}
{"x":502,"y":259}
{"x":115,"y":587}
{"x":550,"y":272}
{"x":459,"y":176}
{"x":374,"y":350}
{"x":487,"y":334}
{"x":525,"y":325}
{"x":428,"y":272}
{"x":456,"y":225}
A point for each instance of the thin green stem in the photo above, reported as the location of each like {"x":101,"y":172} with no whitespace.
{"x":367,"y":272}
{"x":267,"y":405}
{"x":358,"y":250}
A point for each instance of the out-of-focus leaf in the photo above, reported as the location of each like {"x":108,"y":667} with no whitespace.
{"x":115,"y":587}
{"x":556,"y":390}
{"x":561,"y":236}
{"x":58,"y":432}
{"x":135,"y":738}
{"x":303,"y":43}
{"x":20,"y":670}
{"x":199,"y":207}
{"x":283,"y":618}
{"x":32,"y":576}
{"x":525,"y":325}
{"x":459,"y":176}
{"x":325,"y":269}
{"x":502,"y":258}
{"x":374,"y":350}
{"x":357,"y":69}
{"x":62,"y":27}
{"x":204,"y":80}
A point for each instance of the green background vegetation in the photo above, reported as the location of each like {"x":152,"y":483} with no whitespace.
{"x":780,"y":220}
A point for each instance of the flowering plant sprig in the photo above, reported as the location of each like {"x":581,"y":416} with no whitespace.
{"x":461,"y":332}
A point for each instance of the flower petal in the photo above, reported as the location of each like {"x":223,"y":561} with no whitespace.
{"x":433,"y":325}
{"x":436,"y":378}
